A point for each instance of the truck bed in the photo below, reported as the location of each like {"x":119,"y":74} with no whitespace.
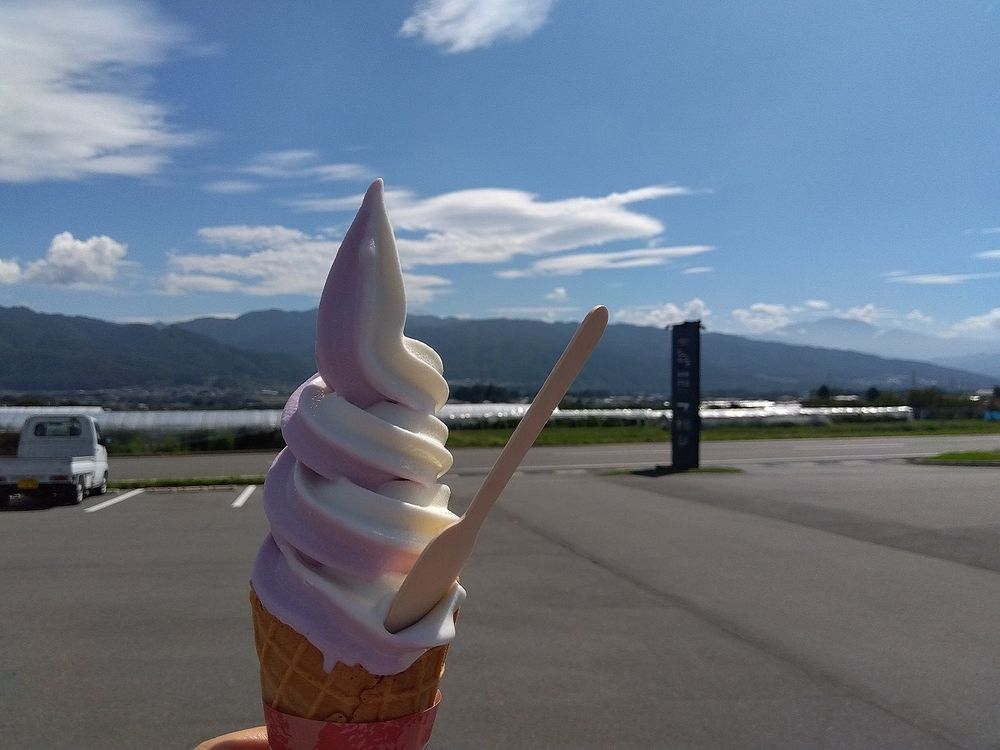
{"x":14,"y":469}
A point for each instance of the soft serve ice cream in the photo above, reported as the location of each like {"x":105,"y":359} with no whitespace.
{"x":355,"y":497}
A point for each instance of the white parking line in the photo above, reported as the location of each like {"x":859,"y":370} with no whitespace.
{"x":244,"y":496}
{"x":112,"y":501}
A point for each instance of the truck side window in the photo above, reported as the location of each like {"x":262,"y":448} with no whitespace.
{"x":40,"y":429}
{"x":74,"y":428}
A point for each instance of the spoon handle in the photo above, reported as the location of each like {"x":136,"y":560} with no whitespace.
{"x":546,"y":400}
{"x":446,"y":554}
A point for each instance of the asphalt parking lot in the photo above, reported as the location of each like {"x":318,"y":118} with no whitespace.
{"x":837,"y":605}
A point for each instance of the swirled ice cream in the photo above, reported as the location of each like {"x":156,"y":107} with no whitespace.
{"x":355,"y":497}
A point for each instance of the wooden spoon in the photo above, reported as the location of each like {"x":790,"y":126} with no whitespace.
{"x":442,"y":560}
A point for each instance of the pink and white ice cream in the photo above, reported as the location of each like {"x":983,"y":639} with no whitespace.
{"x":355,"y":497}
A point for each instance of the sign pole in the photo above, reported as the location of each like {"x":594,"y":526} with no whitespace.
{"x":685,"y":397}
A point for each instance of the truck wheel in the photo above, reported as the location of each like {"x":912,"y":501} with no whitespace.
{"x":4,"y":498}
{"x":102,"y":488}
{"x":74,"y":494}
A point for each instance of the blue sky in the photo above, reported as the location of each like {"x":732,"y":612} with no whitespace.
{"x":752,"y":164}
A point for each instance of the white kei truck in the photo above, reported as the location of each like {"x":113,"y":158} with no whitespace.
{"x":59,"y":456}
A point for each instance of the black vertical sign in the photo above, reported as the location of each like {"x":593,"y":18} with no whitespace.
{"x":685,"y":399}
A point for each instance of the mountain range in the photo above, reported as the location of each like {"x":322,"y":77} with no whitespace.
{"x":273,"y":348}
{"x":859,"y":336}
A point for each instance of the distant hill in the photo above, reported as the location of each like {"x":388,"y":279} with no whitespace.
{"x":988,"y":362}
{"x":280,"y":331}
{"x":59,"y":352}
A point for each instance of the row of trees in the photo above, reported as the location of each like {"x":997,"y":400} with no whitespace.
{"x":925,"y":402}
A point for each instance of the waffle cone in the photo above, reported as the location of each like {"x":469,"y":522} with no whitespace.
{"x":293,"y":681}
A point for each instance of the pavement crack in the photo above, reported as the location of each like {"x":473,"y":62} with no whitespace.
{"x":731,"y":628}
{"x":970,"y":547}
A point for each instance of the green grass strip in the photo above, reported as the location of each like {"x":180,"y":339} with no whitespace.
{"x":962,"y":456}
{"x":236,"y":479}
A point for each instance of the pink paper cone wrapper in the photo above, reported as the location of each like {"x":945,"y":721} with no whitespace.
{"x":286,"y":732}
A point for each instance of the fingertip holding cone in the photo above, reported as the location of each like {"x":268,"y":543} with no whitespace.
{"x":293,"y":680}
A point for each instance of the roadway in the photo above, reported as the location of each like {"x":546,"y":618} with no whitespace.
{"x":814,"y":601}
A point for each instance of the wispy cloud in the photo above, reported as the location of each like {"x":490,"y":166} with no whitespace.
{"x":665,"y":314}
{"x":495,"y":225}
{"x":271,"y":260}
{"x":691,"y":270}
{"x":466,"y":25}
{"x":69,"y":73}
{"x":69,"y":262}
{"x":569,"y":265}
{"x":989,"y":254}
{"x":303,"y":164}
{"x":230,"y":186}
{"x":486,"y":225}
{"x":932,"y":279}
{"x":816,"y":304}
{"x":254,"y":236}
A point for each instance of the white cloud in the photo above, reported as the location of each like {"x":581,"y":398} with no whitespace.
{"x":68,"y":84}
{"x":558,"y":294}
{"x":663,"y":315}
{"x":921,"y":318}
{"x":303,"y":164}
{"x":865,"y":313}
{"x":271,"y":260}
{"x":985,"y":323}
{"x":330,"y":205}
{"x":10,"y":271}
{"x":422,"y":289}
{"x":944,"y":279}
{"x":249,"y":236}
{"x":182,"y":283}
{"x":697,"y":269}
{"x":990,"y":254}
{"x":230,"y":186}
{"x":69,"y":262}
{"x":763,"y":316}
{"x":493,"y":225}
{"x":512,"y":273}
{"x":484,"y":225}
{"x":176,"y":318}
{"x":567,"y":265}
{"x":551,"y":313}
{"x":465,"y":25}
